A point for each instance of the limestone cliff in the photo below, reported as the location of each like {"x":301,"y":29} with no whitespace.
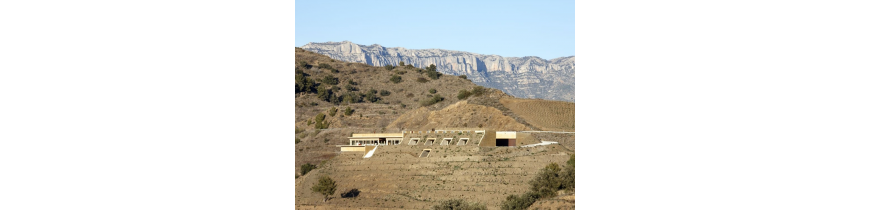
{"x":525,"y":77}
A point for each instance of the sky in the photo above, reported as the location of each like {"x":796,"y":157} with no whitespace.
{"x":506,"y":28}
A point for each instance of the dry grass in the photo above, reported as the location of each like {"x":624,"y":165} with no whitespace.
{"x":543,"y":114}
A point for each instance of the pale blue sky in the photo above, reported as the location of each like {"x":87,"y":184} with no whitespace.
{"x":507,"y":28}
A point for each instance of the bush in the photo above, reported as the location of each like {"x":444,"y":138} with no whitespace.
{"x":297,"y":140}
{"x":303,"y":64}
{"x":477,"y":91}
{"x":323,"y":93}
{"x":463,"y":94}
{"x":385,"y":92}
{"x":458,"y":204}
{"x":351,"y":82}
{"x":389,"y":67}
{"x":401,"y":63}
{"x":348,"y":111}
{"x":433,"y":91}
{"x":463,"y":76}
{"x":332,"y":111}
{"x":324,"y":66}
{"x":435,"y":99}
{"x":514,"y":202}
{"x":304,"y":84}
{"x":395,"y":79}
{"x":409,"y":95}
{"x":422,"y":80}
{"x":372,"y":96}
{"x":401,"y":72}
{"x":329,"y":80}
{"x":307,"y":168}
{"x":350,"y":87}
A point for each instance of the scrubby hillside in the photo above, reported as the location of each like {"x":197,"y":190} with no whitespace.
{"x":335,"y":99}
{"x":395,"y":177}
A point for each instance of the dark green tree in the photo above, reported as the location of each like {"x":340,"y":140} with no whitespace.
{"x":325,"y":186}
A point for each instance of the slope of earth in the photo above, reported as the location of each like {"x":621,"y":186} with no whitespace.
{"x":395,"y":177}
{"x":543,"y":114}
{"x":458,"y":115}
{"x":354,"y":81}
{"x":564,"y":202}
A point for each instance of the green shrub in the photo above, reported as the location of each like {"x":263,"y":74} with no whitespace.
{"x":297,"y":140}
{"x":385,"y":93}
{"x":304,"y":64}
{"x":372,"y":96}
{"x":433,"y":91}
{"x":332,"y":111}
{"x":477,"y":91}
{"x":458,"y":204}
{"x":514,"y":202}
{"x":401,"y":63}
{"x":348,"y":111}
{"x":401,"y":72}
{"x":422,"y":80}
{"x":395,"y":79}
{"x":307,"y":168}
{"x":329,"y":80}
{"x":324,"y":66}
{"x":435,"y":99}
{"x":463,"y":76}
{"x":463,"y":94}
{"x":389,"y":67}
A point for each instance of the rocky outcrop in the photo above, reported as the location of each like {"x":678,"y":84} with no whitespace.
{"x":524,"y":77}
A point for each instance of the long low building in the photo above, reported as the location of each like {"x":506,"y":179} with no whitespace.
{"x":444,"y":137}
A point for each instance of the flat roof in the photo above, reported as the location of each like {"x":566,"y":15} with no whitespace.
{"x":382,"y":135}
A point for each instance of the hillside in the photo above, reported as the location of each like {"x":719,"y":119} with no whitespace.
{"x":523,"y":77}
{"x":374,"y":100}
{"x":396,"y":178}
{"x":335,"y":99}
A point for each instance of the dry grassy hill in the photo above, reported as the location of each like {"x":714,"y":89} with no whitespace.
{"x":396,"y":178}
{"x":546,"y":115}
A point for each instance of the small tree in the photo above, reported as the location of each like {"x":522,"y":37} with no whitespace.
{"x":389,"y":67}
{"x":401,"y":63}
{"x":329,"y":80}
{"x":348,"y":111}
{"x":325,"y":186}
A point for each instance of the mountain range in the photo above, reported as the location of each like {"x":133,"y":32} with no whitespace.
{"x":523,"y":77}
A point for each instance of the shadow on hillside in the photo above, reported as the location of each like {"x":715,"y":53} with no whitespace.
{"x":350,"y":193}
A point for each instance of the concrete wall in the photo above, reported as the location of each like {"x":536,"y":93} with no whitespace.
{"x":353,"y":149}
{"x":488,"y":139}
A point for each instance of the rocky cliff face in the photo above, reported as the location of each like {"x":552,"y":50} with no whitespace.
{"x":525,"y":77}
